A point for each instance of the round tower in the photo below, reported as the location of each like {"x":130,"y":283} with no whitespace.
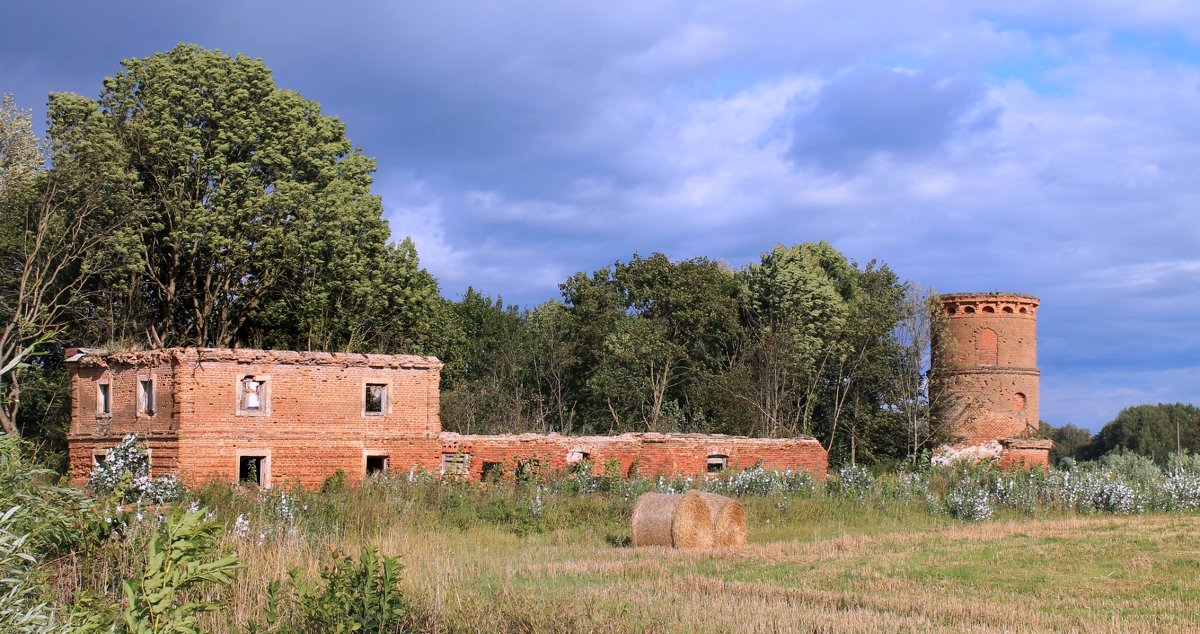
{"x":984,"y":379}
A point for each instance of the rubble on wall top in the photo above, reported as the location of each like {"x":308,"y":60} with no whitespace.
{"x":645,"y":437}
{"x":87,"y":357}
{"x":988,"y":296}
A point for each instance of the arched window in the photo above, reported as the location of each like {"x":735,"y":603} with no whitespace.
{"x":1008,"y":309}
{"x":986,"y":347}
{"x":989,"y":309}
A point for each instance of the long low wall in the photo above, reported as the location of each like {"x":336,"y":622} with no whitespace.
{"x":645,"y":454}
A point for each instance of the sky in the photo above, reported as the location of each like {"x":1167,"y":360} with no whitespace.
{"x":1048,"y":148}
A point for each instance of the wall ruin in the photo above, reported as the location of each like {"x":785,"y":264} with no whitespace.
{"x":218,"y":414}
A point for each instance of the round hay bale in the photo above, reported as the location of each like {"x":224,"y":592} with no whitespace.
{"x":728,"y":518}
{"x":679,"y":521}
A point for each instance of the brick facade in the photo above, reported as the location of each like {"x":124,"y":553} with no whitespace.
{"x":985,"y":366}
{"x":301,"y":416}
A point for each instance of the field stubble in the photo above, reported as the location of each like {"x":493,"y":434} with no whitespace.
{"x":815,"y":566}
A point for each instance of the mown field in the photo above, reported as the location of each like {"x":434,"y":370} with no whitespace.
{"x":869,"y":574}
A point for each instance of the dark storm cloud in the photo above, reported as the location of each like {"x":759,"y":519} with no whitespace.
{"x":872,"y":110}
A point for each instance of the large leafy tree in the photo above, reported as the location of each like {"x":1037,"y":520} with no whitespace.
{"x":255,"y":217}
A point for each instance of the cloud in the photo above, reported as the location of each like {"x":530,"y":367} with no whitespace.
{"x":872,"y":110}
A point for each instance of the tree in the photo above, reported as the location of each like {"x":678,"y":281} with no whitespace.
{"x":60,"y":228}
{"x":20,"y":151}
{"x":1070,"y":441}
{"x":796,"y":303}
{"x":254,"y":215}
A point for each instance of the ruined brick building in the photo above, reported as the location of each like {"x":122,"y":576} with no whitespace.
{"x":985,"y":376}
{"x":276,"y":417}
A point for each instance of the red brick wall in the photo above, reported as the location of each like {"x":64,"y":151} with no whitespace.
{"x":653,"y":454}
{"x":1026,"y":454}
{"x":987,"y":364}
{"x":315,"y":423}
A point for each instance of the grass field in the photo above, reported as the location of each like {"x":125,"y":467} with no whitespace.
{"x":811,"y":565}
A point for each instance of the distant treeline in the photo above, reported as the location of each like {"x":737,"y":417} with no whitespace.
{"x":1155,"y":431}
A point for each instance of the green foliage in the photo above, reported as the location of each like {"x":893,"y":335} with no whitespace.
{"x":1156,"y":431}
{"x":182,"y":569}
{"x":22,"y":610}
{"x":54,"y":518}
{"x":350,"y":596}
{"x":802,"y":343}
{"x":254,"y":221}
{"x":1070,"y":441}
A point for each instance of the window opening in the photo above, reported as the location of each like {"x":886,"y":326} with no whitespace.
{"x":376,"y":465}
{"x":717,"y":463}
{"x":146,"y":397}
{"x":252,"y":394}
{"x":376,"y":398}
{"x":98,"y":459}
{"x":989,"y":309}
{"x":455,"y":464}
{"x":492,"y":471}
{"x":103,"y":399}
{"x":1008,"y":309}
{"x":252,"y":470}
{"x":970,"y":310}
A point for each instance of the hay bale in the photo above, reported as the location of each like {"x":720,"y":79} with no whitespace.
{"x":679,"y":521}
{"x":728,"y":518}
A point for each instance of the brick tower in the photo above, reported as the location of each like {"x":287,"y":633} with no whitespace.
{"x":985,"y":386}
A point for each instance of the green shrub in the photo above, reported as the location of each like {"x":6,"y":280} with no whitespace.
{"x":351,"y":596}
{"x":21,"y":608}
{"x":167,"y":595}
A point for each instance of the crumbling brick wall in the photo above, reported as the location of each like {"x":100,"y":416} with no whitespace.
{"x":313,"y":421}
{"x":645,"y":454}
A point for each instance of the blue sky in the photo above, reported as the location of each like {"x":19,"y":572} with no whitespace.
{"x":1043,"y":148}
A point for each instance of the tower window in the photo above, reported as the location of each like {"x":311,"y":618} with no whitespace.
{"x":376,"y":465}
{"x":986,"y":347}
{"x":989,"y":309}
{"x":1008,"y":309}
{"x":253,"y":470}
{"x":970,"y":310}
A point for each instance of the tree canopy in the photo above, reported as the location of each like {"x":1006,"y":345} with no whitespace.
{"x":255,"y":222}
